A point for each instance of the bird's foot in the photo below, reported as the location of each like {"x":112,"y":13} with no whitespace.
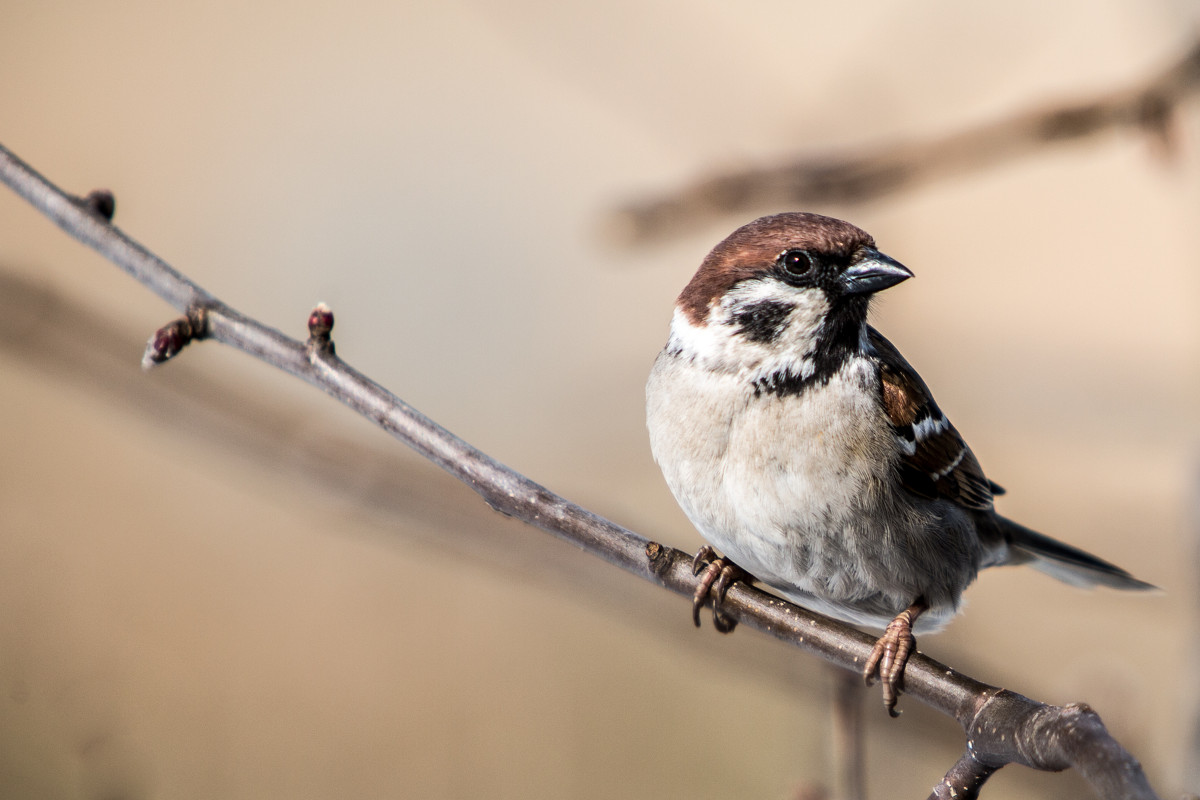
{"x":716,"y":575}
{"x":890,"y":655}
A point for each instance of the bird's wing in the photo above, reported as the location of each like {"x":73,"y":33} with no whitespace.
{"x":934,"y":460}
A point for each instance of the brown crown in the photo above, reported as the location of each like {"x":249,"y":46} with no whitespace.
{"x":753,"y":248}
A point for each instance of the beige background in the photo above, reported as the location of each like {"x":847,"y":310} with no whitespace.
{"x":190,"y":610}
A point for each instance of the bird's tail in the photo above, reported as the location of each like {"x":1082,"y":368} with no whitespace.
{"x":1062,"y":561}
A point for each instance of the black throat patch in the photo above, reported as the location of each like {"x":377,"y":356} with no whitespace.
{"x":838,"y":341}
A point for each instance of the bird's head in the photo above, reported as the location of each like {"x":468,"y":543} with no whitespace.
{"x":781,"y":289}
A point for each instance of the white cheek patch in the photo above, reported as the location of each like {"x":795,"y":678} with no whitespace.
{"x":702,"y":342}
{"x":719,"y":345}
{"x":809,"y":306}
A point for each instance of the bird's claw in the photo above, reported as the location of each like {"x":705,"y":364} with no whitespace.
{"x":717,"y":574}
{"x":890,"y":655}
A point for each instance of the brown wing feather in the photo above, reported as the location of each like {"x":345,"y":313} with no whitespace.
{"x":934,"y":461}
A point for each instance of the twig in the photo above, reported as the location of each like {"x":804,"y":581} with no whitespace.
{"x":1002,"y":727}
{"x":855,"y":178}
{"x":964,"y":780}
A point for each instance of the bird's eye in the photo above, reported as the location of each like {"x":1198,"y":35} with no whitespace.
{"x":796,"y":263}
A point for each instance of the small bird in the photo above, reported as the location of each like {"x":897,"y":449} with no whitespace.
{"x":801,"y":444}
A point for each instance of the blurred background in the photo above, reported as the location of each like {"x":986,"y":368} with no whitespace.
{"x":216,"y":582}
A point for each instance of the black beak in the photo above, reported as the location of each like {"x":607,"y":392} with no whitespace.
{"x":873,"y":272}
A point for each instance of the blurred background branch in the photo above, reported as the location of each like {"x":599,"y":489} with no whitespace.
{"x":815,"y":181}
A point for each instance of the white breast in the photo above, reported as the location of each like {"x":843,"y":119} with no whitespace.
{"x":769,"y":480}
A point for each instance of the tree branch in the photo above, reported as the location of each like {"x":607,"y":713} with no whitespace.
{"x":870,"y":175}
{"x":1001,"y":727}
{"x":964,"y":780}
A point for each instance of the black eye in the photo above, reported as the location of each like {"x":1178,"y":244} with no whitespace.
{"x":796,"y":263}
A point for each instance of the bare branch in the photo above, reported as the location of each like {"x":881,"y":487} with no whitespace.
{"x":856,"y":178}
{"x":963,"y":781}
{"x":1002,"y":727}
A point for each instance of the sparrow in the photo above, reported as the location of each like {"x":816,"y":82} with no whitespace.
{"x":800,"y":443}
